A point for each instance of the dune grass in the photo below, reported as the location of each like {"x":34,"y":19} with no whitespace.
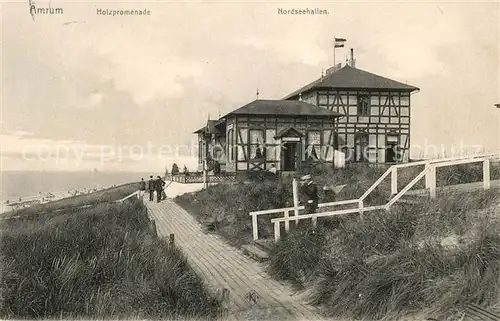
{"x":70,"y":203}
{"x":433,"y":257}
{"x":383,"y":266}
{"x":101,"y":262}
{"x":224,"y":208}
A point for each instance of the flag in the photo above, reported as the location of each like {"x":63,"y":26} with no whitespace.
{"x":339,"y":42}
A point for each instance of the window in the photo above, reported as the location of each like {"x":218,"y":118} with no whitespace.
{"x":200,"y":150}
{"x":363,"y":105}
{"x":313,"y":144}
{"x":256,"y":145}
{"x":230,"y":144}
{"x":361,"y":147}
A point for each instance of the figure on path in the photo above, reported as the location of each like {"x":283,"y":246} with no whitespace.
{"x":151,"y":188}
{"x":310,"y":191}
{"x":142,"y":188}
{"x":159,"y":188}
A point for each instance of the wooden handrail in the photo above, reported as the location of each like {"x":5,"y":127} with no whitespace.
{"x":320,"y":205}
{"x":127,"y":197}
{"x":377,"y":182}
{"x":442,"y":160}
{"x":325,"y":214}
{"x":407,"y":187}
{"x":430,"y":166}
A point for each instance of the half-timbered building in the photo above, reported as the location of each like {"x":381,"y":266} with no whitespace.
{"x":347,"y":115}
{"x":376,"y":126}
{"x":286,"y":133}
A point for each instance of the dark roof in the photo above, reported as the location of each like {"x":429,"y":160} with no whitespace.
{"x":349,"y":77}
{"x":210,"y":128}
{"x":283,"y":108}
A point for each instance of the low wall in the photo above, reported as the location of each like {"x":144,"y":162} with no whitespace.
{"x":198,"y":178}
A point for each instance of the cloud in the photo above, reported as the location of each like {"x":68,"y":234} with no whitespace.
{"x":288,"y":48}
{"x":35,"y":153}
{"x":95,"y":99}
{"x":22,"y":134}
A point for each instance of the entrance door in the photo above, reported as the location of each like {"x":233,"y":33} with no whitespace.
{"x":390,"y":153}
{"x":290,"y":155}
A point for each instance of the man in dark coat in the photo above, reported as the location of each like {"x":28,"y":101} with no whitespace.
{"x":142,"y":188}
{"x":159,"y":188}
{"x":151,"y":188}
{"x":310,"y":191}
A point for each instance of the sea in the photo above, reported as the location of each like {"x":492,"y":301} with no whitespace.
{"x":16,"y":184}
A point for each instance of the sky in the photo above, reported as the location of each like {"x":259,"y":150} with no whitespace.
{"x":83,"y":91}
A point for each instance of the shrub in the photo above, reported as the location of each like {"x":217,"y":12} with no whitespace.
{"x":296,"y":255}
{"x":393,"y":263}
{"x":100,"y":262}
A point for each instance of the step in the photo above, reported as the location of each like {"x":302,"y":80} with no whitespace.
{"x":406,"y":200}
{"x":265,"y":244}
{"x":255,"y":252}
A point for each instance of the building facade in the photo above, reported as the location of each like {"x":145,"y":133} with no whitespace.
{"x":376,"y":126}
{"x":266,"y":133}
{"x":347,"y":115}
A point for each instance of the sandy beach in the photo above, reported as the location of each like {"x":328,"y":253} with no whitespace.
{"x":173,"y":189}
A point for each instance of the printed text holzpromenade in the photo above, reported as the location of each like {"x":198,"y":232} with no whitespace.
{"x":121,"y":12}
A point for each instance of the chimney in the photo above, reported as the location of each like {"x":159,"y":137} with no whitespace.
{"x":352,"y":61}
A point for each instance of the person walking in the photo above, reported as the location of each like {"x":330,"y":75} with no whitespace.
{"x":142,"y":188}
{"x":310,"y":191}
{"x":159,"y":188}
{"x":164,"y":187}
{"x":151,"y":188}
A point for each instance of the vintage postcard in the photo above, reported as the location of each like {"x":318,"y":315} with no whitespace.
{"x":250,"y":160}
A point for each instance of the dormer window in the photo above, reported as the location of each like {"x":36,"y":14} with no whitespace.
{"x":363,"y":105}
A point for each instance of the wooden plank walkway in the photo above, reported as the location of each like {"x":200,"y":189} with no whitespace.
{"x":223,"y":266}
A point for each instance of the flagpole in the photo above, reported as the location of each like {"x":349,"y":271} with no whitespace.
{"x":334,"y":52}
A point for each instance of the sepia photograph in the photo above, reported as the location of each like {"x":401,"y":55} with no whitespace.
{"x":250,"y":160}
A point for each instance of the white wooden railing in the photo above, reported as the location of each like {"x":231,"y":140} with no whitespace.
{"x":429,"y":172}
{"x":136,"y":193}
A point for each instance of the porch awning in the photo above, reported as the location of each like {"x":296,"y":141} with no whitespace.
{"x":288,"y":132}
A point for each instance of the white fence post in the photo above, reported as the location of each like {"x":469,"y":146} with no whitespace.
{"x":276,"y":231}
{"x":205,"y":183}
{"x":428,"y":176}
{"x":432,"y":181}
{"x":314,"y":221}
{"x":295,"y":199}
{"x":360,"y":205}
{"x":255,"y":230}
{"x":287,"y":222}
{"x":394,"y":181}
{"x":486,"y":174}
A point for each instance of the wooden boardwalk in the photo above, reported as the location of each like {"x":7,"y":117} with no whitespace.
{"x":223,"y":266}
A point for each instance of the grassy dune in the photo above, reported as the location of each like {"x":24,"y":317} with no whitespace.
{"x":70,"y":203}
{"x":432,"y":257}
{"x":224,"y":208}
{"x":100,"y":262}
